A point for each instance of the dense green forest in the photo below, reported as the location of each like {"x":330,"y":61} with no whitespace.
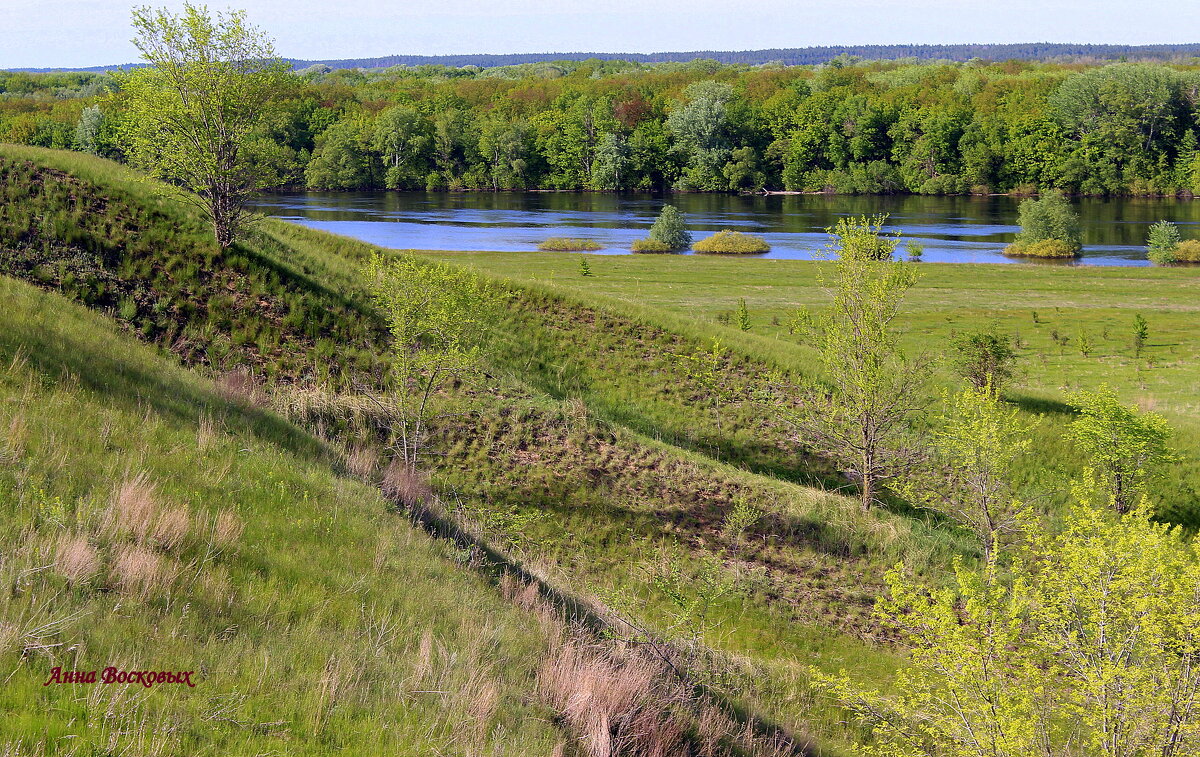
{"x":847,"y":126}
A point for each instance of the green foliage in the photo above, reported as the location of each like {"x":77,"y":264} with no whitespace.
{"x":341,"y":160}
{"x":732,"y":243}
{"x":915,"y":251}
{"x":194,"y":114}
{"x":1085,"y":642}
{"x":1050,"y":249}
{"x":865,"y":127}
{"x":984,"y":358}
{"x":1188,"y":251}
{"x":584,"y":268}
{"x":740,"y":518}
{"x":862,"y":240}
{"x":1161,"y":243}
{"x":438,"y":317}
{"x":743,"y":315}
{"x":1083,"y":341}
{"x":569,"y":244}
{"x":650,"y":246}
{"x":669,"y":229}
{"x":861,"y":420}
{"x":1049,"y":217}
{"x":1125,"y":450}
{"x":978,"y":448}
{"x":1141,"y":332}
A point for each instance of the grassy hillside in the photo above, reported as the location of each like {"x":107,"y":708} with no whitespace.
{"x":1045,"y":309}
{"x":151,"y":523}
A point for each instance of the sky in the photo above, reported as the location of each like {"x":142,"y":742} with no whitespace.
{"x":80,"y":33}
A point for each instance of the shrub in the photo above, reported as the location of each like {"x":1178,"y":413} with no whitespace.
{"x":1162,"y":243}
{"x":650,"y":245}
{"x":670,"y":230}
{"x":1047,"y":248}
{"x":1048,"y":218}
{"x":984,"y":358}
{"x":733,"y":243}
{"x":1188,"y":251}
{"x":569,"y":244}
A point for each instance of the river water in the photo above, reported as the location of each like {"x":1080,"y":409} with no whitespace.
{"x":952,"y":229}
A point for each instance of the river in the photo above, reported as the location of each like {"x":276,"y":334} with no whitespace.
{"x":952,"y":229}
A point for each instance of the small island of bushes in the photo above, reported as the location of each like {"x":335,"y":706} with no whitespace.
{"x":569,"y":244}
{"x":732,"y":243}
{"x":1166,"y":247}
{"x":1049,"y":229}
{"x":668,"y":234}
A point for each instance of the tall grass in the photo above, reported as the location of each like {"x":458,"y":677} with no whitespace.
{"x":315,"y":619}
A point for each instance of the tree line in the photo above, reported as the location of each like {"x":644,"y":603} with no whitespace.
{"x":845,"y":126}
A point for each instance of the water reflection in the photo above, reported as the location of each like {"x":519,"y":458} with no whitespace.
{"x":953,"y":229}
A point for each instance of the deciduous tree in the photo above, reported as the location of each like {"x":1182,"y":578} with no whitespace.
{"x":194,"y":113}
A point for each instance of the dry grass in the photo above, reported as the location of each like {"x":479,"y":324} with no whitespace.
{"x":76,"y":559}
{"x":626,"y":699}
{"x":615,"y":704}
{"x":134,"y":508}
{"x":206,"y":432}
{"x":172,"y":528}
{"x":140,"y":572}
{"x":242,"y":386}
{"x":362,"y":460}
{"x":227,"y":529}
{"x":405,"y":486}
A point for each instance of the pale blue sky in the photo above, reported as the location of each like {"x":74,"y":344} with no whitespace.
{"x":43,"y":33}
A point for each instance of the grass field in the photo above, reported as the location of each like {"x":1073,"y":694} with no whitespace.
{"x":1044,"y":308}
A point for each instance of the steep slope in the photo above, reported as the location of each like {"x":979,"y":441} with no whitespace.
{"x":149,"y":523}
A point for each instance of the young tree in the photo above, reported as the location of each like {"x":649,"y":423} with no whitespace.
{"x":670,"y":229}
{"x":193,"y":114}
{"x":984,"y":359}
{"x":1124,"y":448}
{"x":1085,"y":643}
{"x":437,"y":316}
{"x":1141,"y":332}
{"x":860,"y":420}
{"x":976,"y":452}
{"x":1161,"y":243}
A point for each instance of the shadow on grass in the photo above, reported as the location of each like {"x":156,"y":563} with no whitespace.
{"x":1041,"y":405}
{"x":494,"y":565}
{"x":62,"y":341}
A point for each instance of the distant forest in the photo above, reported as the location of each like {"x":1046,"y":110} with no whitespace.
{"x":791,"y":56}
{"x":846,"y":126}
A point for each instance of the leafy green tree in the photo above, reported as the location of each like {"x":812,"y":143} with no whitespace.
{"x":1046,"y":218}
{"x":611,"y":168}
{"x":669,"y":229}
{"x":194,"y":114}
{"x":438,"y":317}
{"x":700,"y":128}
{"x":404,"y":138}
{"x":977,"y":451}
{"x":87,"y":131}
{"x":1087,"y":642}
{"x":1161,"y":243}
{"x":1124,"y":448}
{"x":505,"y":148}
{"x":342,"y":159}
{"x":860,"y":420}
